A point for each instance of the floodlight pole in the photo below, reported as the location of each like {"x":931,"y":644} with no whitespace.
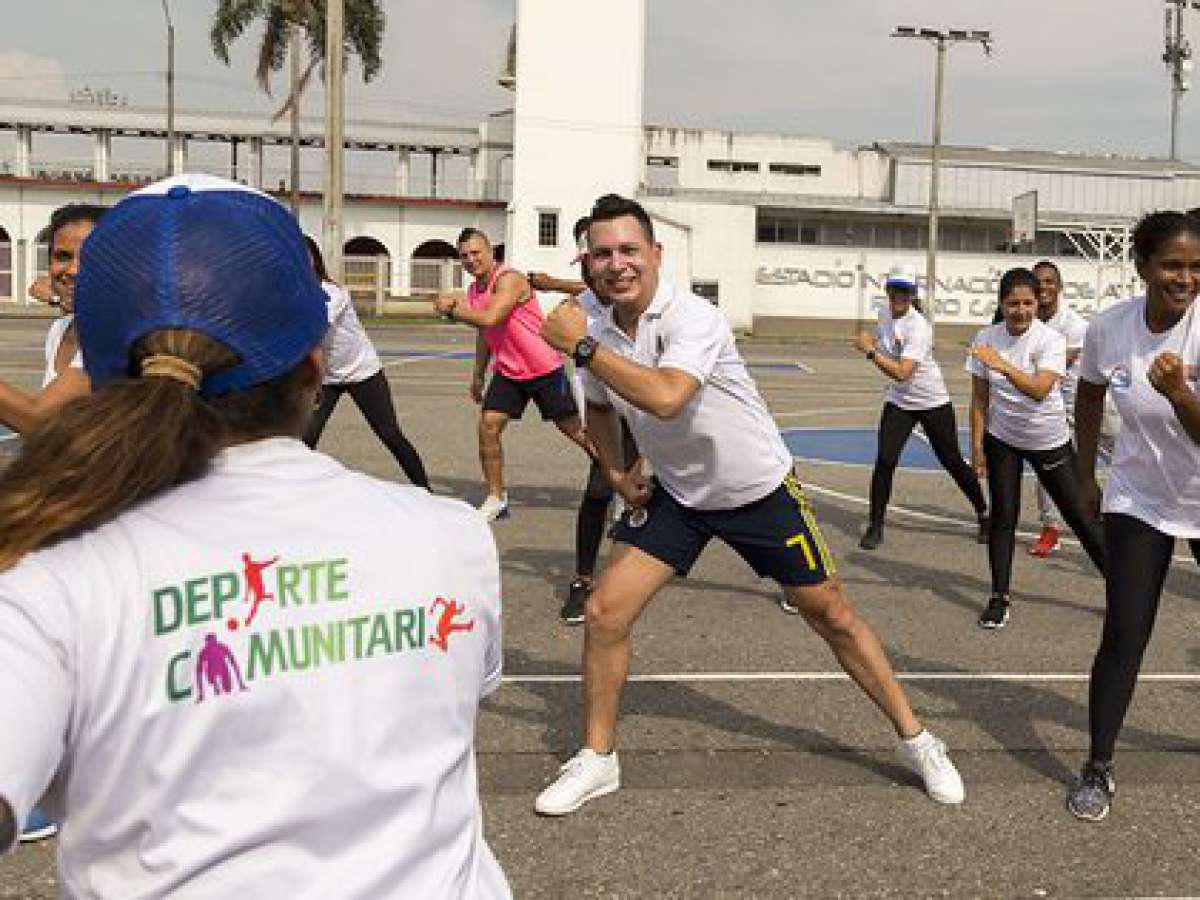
{"x":1178,"y":57}
{"x":294,"y":72}
{"x":941,"y":39}
{"x":334,"y":136}
{"x":170,"y":89}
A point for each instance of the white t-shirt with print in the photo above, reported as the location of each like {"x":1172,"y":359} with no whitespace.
{"x":350,"y":356}
{"x":262,"y":684}
{"x":1073,"y":327}
{"x":1155,"y":471}
{"x":1014,"y":418}
{"x":911,"y":337}
{"x":723,"y":450}
{"x":54,"y":339}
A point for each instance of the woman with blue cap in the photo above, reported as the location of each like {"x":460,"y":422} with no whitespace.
{"x":230,"y":666}
{"x":902,"y":349}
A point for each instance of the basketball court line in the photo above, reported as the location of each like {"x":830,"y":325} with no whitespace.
{"x":791,"y":677}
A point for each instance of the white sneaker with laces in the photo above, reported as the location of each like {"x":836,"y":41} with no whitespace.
{"x":493,"y":507}
{"x":585,"y":776}
{"x":927,"y":757}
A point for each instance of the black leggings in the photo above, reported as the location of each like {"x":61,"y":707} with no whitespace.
{"x":895,"y":426}
{"x":593,"y":508}
{"x":1055,"y":469}
{"x":1139,"y":556}
{"x":374,"y":398}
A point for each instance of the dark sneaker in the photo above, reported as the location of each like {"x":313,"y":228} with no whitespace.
{"x":872,"y":537}
{"x":572,"y":611}
{"x":984,"y":534}
{"x":996,"y":613}
{"x":1090,"y":795}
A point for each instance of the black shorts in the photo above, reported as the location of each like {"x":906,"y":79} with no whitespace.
{"x":777,"y":535}
{"x":550,"y":392}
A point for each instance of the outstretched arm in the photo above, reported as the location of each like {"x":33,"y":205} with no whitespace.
{"x":23,"y":412}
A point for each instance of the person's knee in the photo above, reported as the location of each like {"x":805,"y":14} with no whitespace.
{"x":827,"y":609}
{"x":490,"y":428}
{"x":607,"y":615}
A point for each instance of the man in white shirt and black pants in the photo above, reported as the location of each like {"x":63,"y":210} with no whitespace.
{"x":666,"y":362}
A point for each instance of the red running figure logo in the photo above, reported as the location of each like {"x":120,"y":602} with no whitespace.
{"x":255,"y":589}
{"x":446,"y":625}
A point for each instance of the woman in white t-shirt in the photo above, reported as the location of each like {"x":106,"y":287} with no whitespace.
{"x":902,"y":349}
{"x":1145,"y":354}
{"x":231,"y":666}
{"x":352,"y":366}
{"x":64,"y":378}
{"x":1018,"y":416}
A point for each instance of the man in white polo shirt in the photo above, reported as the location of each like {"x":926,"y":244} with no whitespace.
{"x":666,"y":362}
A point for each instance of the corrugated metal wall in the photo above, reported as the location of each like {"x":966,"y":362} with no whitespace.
{"x":1070,"y":193}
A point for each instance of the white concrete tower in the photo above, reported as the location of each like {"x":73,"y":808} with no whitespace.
{"x":578,"y":122}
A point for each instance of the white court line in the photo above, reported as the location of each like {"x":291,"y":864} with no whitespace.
{"x":931,"y":517}
{"x":803,"y":413}
{"x":743,"y":677}
{"x":425,"y":358}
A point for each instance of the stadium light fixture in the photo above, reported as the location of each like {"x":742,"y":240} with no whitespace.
{"x":941,"y":39}
{"x":170,"y":89}
{"x":1178,"y":57}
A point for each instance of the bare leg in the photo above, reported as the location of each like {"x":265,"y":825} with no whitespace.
{"x":828,"y":610}
{"x":626,"y":585}
{"x":491,"y":454}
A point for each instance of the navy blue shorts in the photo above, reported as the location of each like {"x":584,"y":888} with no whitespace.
{"x":777,"y":535}
{"x":551,"y":393}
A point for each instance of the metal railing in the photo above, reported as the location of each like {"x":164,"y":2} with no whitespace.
{"x":275,"y":177}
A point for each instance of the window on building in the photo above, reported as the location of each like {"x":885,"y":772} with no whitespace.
{"x":548,"y":228}
{"x":670,"y":162}
{"x":709,"y":290}
{"x":731,"y":165}
{"x":793,"y":169}
{"x":662,"y":173}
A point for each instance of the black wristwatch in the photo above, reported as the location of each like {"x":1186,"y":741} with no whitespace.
{"x":870,"y":355}
{"x":584,"y":351}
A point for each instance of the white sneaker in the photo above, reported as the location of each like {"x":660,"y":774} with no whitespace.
{"x":927,"y":757}
{"x":493,"y":507}
{"x":585,"y":776}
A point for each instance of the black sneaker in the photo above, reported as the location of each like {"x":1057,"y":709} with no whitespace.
{"x":872,"y":537}
{"x":572,"y":611}
{"x":996,"y":613}
{"x":984,"y":534}
{"x":1090,"y":795}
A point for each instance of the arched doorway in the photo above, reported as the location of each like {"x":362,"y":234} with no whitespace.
{"x":434,"y":268}
{"x":360,"y":256}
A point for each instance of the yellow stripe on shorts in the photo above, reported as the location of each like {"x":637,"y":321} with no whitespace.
{"x":806,"y":514}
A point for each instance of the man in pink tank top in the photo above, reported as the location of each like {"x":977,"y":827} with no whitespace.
{"x":503,"y":307}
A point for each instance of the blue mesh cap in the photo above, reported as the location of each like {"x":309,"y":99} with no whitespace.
{"x":205,"y":254}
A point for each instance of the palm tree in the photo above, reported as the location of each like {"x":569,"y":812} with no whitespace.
{"x":286,"y":22}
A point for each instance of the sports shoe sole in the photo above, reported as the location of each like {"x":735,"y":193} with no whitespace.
{"x":586,"y":798}
{"x":1084,"y":817}
{"x":573,"y":619}
{"x":993,"y":626}
{"x":32,"y":835}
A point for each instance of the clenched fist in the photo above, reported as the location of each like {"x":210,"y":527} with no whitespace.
{"x":566,"y":326}
{"x":1166,"y":376}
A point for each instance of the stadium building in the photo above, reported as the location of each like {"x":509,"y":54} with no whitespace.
{"x":787,"y":234}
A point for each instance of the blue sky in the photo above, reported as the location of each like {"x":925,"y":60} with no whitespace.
{"x":1080,"y":75}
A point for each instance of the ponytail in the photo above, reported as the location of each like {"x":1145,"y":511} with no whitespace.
{"x":131,"y":440}
{"x":916,"y":302}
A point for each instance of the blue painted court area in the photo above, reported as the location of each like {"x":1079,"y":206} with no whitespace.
{"x":856,"y":446}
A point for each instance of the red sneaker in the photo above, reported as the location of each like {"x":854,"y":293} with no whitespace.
{"x":1046,"y":543}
